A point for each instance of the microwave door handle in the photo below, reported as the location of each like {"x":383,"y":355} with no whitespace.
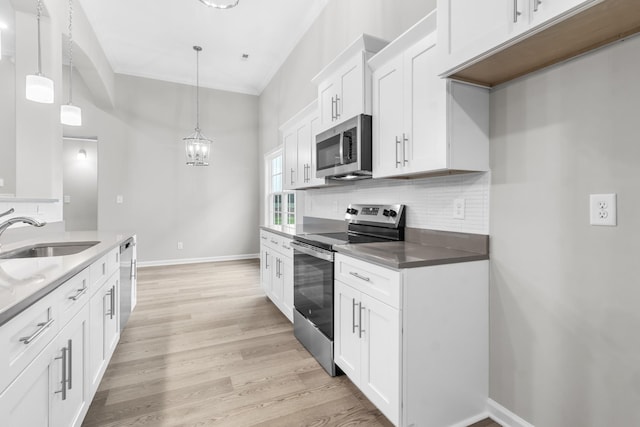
{"x":341,"y":148}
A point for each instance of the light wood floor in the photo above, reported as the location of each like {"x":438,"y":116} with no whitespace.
{"x":205,"y":347}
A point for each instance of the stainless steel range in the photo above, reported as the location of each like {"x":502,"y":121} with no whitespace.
{"x":313,"y":273}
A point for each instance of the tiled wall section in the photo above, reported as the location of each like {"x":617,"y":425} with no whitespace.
{"x":429,"y":200}
{"x":42,"y":211}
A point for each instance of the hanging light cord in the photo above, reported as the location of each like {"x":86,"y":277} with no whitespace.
{"x":70,"y":51}
{"x":39,"y":13}
{"x":197,"y":49}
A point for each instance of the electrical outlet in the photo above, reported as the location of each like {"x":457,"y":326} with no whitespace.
{"x":67,"y":198}
{"x":458,"y":208}
{"x":119,"y":199}
{"x":180,"y":246}
{"x":602,"y":209}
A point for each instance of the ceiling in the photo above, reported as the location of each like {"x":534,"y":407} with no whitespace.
{"x":155,"y":39}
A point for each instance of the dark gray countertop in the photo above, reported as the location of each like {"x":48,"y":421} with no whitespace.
{"x":26,"y":280}
{"x":400,"y":255}
{"x":281,"y":230}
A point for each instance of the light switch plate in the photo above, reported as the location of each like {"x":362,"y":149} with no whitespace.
{"x":67,"y":198}
{"x":602,"y":209}
{"x":119,"y":199}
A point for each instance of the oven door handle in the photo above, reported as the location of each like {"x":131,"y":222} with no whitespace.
{"x":314,"y":252}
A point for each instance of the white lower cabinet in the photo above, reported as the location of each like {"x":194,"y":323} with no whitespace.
{"x":415,"y":341}
{"x":52,"y":390}
{"x":276,"y":271}
{"x":104,"y":329}
{"x":54,"y":354}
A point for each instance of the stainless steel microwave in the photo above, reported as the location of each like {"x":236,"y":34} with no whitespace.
{"x":344,"y":151}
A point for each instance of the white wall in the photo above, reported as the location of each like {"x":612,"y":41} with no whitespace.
{"x":564,"y":294}
{"x":213,"y":210}
{"x":7,"y":125}
{"x":339,"y":24}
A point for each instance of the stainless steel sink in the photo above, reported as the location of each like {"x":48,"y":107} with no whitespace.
{"x":48,"y":250}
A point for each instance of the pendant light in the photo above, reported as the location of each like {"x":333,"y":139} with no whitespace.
{"x":197,"y":146}
{"x":220,"y":4}
{"x":70,"y":114}
{"x":39,"y":87}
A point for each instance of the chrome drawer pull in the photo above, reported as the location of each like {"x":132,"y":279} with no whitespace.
{"x":36,"y":334}
{"x":79,"y":294}
{"x":64,"y":373}
{"x":366,"y":279}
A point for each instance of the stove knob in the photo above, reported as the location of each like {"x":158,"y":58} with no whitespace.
{"x":352,"y":211}
{"x":385,"y":212}
{"x":393,"y":213}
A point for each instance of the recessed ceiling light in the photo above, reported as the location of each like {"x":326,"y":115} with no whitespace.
{"x":245,"y":56}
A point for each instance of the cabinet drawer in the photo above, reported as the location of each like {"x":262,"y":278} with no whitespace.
{"x":113,"y":260}
{"x":285,"y":247}
{"x":378,"y":282}
{"x":24,"y":336}
{"x":73,"y":295}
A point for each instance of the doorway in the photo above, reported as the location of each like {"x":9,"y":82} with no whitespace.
{"x":80,"y":183}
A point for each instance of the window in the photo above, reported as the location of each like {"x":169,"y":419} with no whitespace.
{"x":281,"y":205}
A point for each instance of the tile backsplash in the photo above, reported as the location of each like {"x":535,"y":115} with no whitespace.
{"x":429,"y":201}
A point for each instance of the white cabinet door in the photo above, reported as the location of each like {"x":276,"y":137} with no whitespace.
{"x":27,"y":401}
{"x":112,"y":315}
{"x":388,"y":119}
{"x":277,"y":281}
{"x":424,"y":128}
{"x":347,"y":343}
{"x":290,"y":168}
{"x":327,"y":92}
{"x":287,"y":287}
{"x":470,"y":28}
{"x":381,"y":347}
{"x":69,"y":408}
{"x":314,"y":127}
{"x":303,"y":138}
{"x":350,"y":98}
{"x":97,"y":352}
{"x":542,"y":11}
{"x":265,"y":271}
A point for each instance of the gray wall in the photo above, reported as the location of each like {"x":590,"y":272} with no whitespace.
{"x":213,"y":210}
{"x":339,"y":24}
{"x":564,"y":294}
{"x":8,"y":125}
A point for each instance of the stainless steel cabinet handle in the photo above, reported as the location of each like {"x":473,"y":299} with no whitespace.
{"x":516,"y":13}
{"x":405,"y":139}
{"x":64,"y":373}
{"x":333,"y":103}
{"x":360,"y":330}
{"x":397,"y":143}
{"x":263,"y":237}
{"x":80,"y":292}
{"x":353,"y":316}
{"x":42,"y":327}
{"x":113,"y":302}
{"x":366,"y":279}
{"x":536,"y":5}
{"x":292,"y":172}
{"x":337,"y":109}
{"x":134,"y":269}
{"x":275,"y":242}
{"x":266,"y":260}
{"x":70,"y":360}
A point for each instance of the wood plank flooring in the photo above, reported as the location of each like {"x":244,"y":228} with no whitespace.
{"x":204,"y":347}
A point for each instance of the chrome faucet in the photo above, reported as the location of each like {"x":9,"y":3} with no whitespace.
{"x":8,"y":223}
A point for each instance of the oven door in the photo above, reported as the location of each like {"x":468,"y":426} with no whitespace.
{"x":313,"y":285}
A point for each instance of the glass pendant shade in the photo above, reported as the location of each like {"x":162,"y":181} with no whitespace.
{"x":197,"y":149}
{"x":220,"y":4}
{"x":70,"y":115}
{"x":39,"y":89}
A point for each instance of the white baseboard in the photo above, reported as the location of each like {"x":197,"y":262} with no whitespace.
{"x":472,"y":420}
{"x":503,"y":416}
{"x":159,"y":263}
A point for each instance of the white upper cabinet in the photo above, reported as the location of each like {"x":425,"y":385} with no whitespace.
{"x":299,"y":139}
{"x":422,"y":123}
{"x":470,"y":31}
{"x":344,"y":86}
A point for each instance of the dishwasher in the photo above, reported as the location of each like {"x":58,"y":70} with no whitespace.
{"x":128,"y":276}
